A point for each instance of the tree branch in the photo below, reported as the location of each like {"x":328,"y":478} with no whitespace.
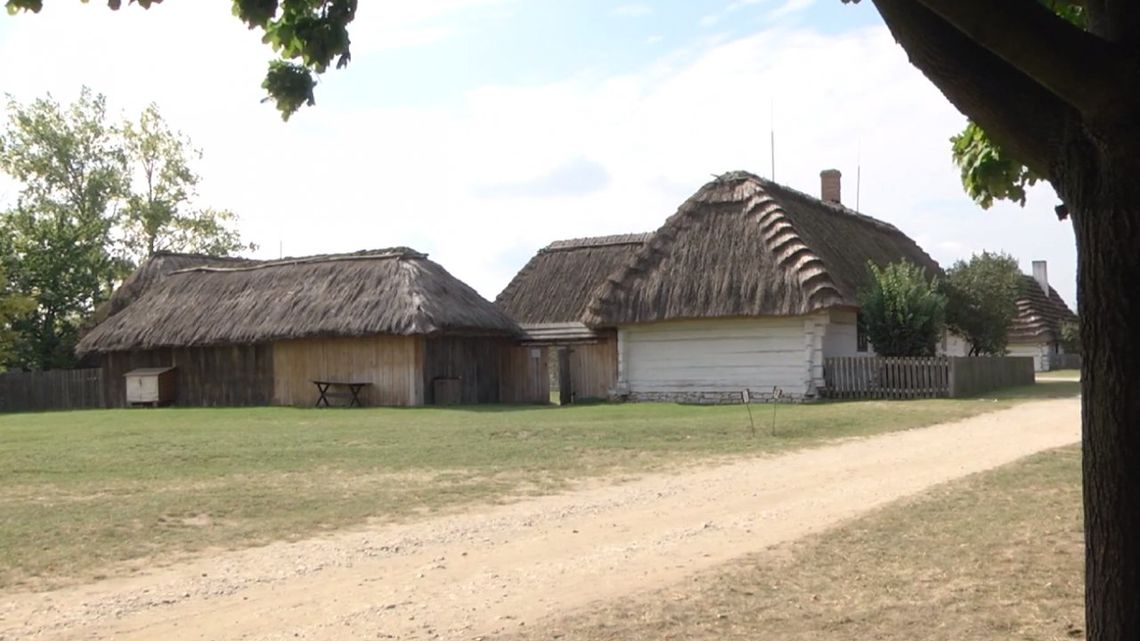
{"x":1080,"y":68}
{"x":1018,"y":113}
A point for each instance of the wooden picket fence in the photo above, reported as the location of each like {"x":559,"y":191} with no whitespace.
{"x":880,"y":377}
{"x":64,"y":389}
{"x":876,"y":377}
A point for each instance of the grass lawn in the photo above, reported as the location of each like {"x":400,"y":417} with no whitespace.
{"x":81,"y":492}
{"x":999,"y":555}
{"x":1059,"y":374}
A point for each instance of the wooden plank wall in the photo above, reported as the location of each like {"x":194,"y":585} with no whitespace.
{"x":852,"y":377}
{"x":391,"y":363}
{"x":971,"y":376}
{"x":475,"y":360}
{"x":593,"y":368}
{"x":225,"y":376}
{"x":65,"y":389}
{"x":524,"y":377}
{"x":934,"y":377}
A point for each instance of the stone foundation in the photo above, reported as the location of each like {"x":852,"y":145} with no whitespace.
{"x":707,"y":398}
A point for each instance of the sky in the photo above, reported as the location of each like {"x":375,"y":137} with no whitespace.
{"x":479,"y":131}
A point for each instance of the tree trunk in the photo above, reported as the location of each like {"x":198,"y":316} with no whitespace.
{"x":1105,"y":202}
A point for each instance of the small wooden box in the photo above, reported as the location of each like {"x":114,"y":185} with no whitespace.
{"x":150,"y":386}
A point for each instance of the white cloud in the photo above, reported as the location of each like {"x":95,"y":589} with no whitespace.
{"x":636,"y":10}
{"x":789,"y":7}
{"x":344,"y":177}
{"x":381,"y":26}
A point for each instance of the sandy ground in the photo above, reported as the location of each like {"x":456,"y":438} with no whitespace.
{"x":492,"y":569}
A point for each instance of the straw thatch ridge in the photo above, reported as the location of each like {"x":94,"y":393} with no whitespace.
{"x":392,"y":291}
{"x":745,"y":246}
{"x":152,"y":270}
{"x":560,"y":280}
{"x":1039,"y":317}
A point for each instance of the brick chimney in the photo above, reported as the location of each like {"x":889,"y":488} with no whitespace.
{"x":1041,"y":275}
{"x":829,"y":185}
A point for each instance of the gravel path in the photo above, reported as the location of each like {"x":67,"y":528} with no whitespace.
{"x":493,"y":569}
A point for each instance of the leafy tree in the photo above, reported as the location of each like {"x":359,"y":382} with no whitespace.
{"x":13,"y":306}
{"x":902,"y":312}
{"x":95,"y":198}
{"x":159,"y":213}
{"x":58,"y":236}
{"x":1071,"y":337}
{"x":1052,"y":83}
{"x":308,"y":35}
{"x":982,"y":300}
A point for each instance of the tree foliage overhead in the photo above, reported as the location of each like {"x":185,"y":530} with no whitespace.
{"x":982,"y":300}
{"x":903,"y":312}
{"x":308,"y":35}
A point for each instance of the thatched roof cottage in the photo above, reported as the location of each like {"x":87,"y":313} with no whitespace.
{"x":1041,"y":312}
{"x":549,"y":296}
{"x":748,"y":286}
{"x":260,"y":332}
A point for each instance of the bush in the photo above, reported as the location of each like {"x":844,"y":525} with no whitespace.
{"x":903,"y":313}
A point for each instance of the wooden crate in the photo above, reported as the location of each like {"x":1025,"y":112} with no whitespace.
{"x":150,"y":386}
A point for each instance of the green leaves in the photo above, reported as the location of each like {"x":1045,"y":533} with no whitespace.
{"x":290,"y":86}
{"x":987,"y":171}
{"x":95,"y":196}
{"x":902,"y":312}
{"x":983,"y":300}
{"x":308,"y":35}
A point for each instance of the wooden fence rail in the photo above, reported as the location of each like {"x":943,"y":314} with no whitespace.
{"x":65,"y":389}
{"x":879,"y":377}
{"x":876,"y":377}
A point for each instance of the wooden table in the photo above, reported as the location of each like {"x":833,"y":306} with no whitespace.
{"x":353,"y":392}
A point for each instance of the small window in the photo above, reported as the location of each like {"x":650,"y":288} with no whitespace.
{"x":860,"y":334}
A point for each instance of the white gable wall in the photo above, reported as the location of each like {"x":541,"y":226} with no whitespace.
{"x":842,"y":336}
{"x":1036,"y":350}
{"x":714,"y":360}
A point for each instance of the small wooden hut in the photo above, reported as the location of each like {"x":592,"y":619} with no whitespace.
{"x":548,"y":298}
{"x":260,"y":333}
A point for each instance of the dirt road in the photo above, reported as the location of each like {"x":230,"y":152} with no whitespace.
{"x":494,"y":569}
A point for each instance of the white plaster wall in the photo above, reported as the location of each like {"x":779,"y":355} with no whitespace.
{"x":724,"y":355}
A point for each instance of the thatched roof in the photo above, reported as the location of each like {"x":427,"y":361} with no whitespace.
{"x":154,"y":269}
{"x":1039,"y":317}
{"x":390,"y":291}
{"x":745,"y":246}
{"x":559,"y":281}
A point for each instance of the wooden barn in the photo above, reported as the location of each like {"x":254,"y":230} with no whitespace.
{"x":260,"y":333}
{"x":548,"y":298}
{"x":748,"y":286}
{"x":1036,"y":330}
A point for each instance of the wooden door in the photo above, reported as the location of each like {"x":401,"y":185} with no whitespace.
{"x":565,"y":381}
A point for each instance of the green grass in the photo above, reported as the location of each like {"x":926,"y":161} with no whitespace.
{"x":998,"y":555}
{"x":81,"y":492}
{"x":1059,"y":373}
